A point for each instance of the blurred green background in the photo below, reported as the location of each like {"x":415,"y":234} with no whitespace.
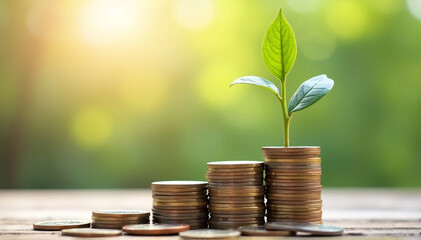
{"x":119,"y":93}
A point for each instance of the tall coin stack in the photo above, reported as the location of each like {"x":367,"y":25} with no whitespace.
{"x":180,"y":202}
{"x":293,"y":189}
{"x":236,"y":194}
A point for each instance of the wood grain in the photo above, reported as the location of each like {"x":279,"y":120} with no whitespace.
{"x":364,"y":213}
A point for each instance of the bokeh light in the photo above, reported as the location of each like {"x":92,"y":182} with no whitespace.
{"x":193,"y":14}
{"x":414,"y":7}
{"x":106,"y":21}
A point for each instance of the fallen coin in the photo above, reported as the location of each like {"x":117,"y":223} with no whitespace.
{"x":90,"y":232}
{"x":61,"y":224}
{"x":315,"y":229}
{"x":210,"y":234}
{"x":155,"y":229}
{"x":261,"y":231}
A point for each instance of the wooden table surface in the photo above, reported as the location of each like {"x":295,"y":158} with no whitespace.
{"x":363,"y":213}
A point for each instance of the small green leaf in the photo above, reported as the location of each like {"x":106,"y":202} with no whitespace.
{"x":279,"y":47}
{"x":310,"y":92}
{"x":258,"y":81}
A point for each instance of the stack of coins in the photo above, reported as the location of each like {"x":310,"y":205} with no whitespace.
{"x":236,"y":194}
{"x":116,"y":219}
{"x":293,"y":187}
{"x":180,"y":202}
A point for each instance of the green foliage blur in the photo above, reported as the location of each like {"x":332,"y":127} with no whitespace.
{"x":120,"y":93}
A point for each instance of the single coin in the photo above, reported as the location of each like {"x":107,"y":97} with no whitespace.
{"x":193,"y":193}
{"x":180,"y":183}
{"x":136,"y":218}
{"x":261,"y":231}
{"x":233,"y":225}
{"x":178,"y":197}
{"x":235,"y":177}
{"x":235,"y":164}
{"x":155,"y":229}
{"x":178,"y":211}
{"x":254,"y":215}
{"x":60,"y":224}
{"x":190,"y":204}
{"x":210,"y":234}
{"x":284,"y":166}
{"x":235,"y":170}
{"x":239,"y":219}
{"x":90,"y":232}
{"x":234,"y":174}
{"x":237,"y":205}
{"x":237,"y":189}
{"x":299,"y":202}
{"x":119,"y":222}
{"x":120,"y":213}
{"x":315,"y":229}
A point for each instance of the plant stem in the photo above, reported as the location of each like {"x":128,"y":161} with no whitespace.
{"x":285,"y":113}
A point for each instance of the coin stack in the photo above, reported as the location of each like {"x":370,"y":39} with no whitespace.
{"x":180,"y":202}
{"x":236,"y":194}
{"x":116,"y":219}
{"x":293,"y":189}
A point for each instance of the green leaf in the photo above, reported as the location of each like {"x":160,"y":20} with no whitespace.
{"x":310,"y":92}
{"x":258,"y":81}
{"x":279,"y":47}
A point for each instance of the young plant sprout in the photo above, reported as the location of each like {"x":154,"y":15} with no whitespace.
{"x":279,"y":52}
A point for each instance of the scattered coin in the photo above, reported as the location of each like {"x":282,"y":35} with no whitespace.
{"x":315,"y":229}
{"x":210,"y":234}
{"x":90,"y":232}
{"x":261,"y":231}
{"x":60,"y":224}
{"x":155,"y":229}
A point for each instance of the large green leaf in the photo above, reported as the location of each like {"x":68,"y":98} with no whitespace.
{"x":279,"y":47}
{"x":258,"y":81}
{"x":310,"y":92}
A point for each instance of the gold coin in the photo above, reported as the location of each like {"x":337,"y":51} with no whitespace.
{"x":299,"y":202}
{"x":162,"y":207}
{"x":225,"y":211}
{"x":235,"y":164}
{"x":261,"y":231}
{"x":155,"y":229}
{"x":235,"y":188}
{"x":90,"y":232}
{"x":240,"y":219}
{"x":234,"y":209}
{"x":287,"y":206}
{"x":180,"y":184}
{"x":181,"y":200}
{"x":178,"y":211}
{"x":210,"y":234}
{"x":252,"y":215}
{"x":235,"y":170}
{"x":120,"y":213}
{"x":119,"y":222}
{"x":60,"y":224}
{"x":249,"y":178}
{"x":178,"y":219}
{"x":193,"y":193}
{"x":236,"y":205}
{"x":121,"y":218}
{"x":177,"y":197}
{"x":234,"y":174}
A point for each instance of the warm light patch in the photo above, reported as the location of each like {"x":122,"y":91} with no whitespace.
{"x":213,"y":85}
{"x":347,"y":19}
{"x":194,"y":14}
{"x":91,"y":127}
{"x":105,"y":21}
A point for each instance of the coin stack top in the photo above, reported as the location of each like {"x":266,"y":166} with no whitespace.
{"x":236,"y":194}
{"x":293,"y":189}
{"x":180,"y":202}
{"x":116,"y":219}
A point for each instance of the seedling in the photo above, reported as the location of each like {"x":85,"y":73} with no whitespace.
{"x":279,"y":52}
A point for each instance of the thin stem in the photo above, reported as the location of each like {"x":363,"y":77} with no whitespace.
{"x":285,"y":113}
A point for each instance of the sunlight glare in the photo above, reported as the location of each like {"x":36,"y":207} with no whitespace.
{"x":106,"y":21}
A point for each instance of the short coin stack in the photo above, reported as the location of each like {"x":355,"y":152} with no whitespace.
{"x":293,"y":189}
{"x":116,"y":219}
{"x":236,"y":194}
{"x":180,"y":202}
